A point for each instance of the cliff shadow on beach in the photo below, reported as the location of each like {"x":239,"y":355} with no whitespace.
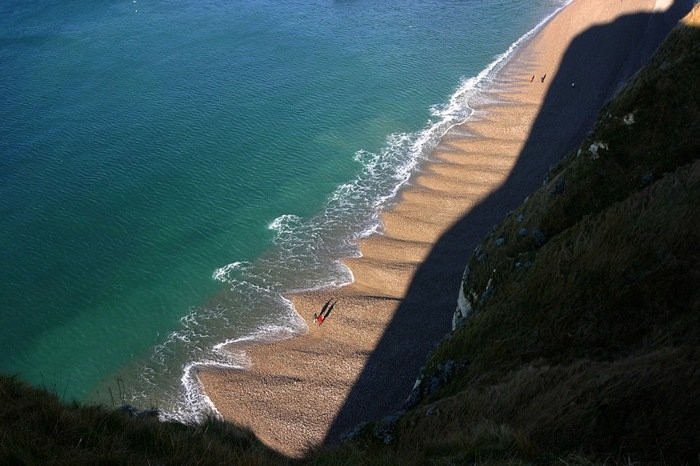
{"x":598,"y":61}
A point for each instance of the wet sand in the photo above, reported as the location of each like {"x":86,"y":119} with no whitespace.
{"x":362,"y":362}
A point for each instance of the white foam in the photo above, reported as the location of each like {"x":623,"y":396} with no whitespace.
{"x":316,"y":245}
{"x":393,"y":166}
{"x":284,"y":222}
{"x":222,"y":273}
{"x":266,"y":333}
{"x":459,"y":109}
{"x":195,"y":406}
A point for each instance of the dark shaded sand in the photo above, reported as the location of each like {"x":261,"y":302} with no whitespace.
{"x":362,"y":363}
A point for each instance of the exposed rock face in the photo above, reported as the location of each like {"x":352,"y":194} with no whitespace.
{"x":464,"y":307}
{"x":591,"y":286}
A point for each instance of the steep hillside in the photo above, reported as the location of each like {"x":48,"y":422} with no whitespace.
{"x":37,"y":428}
{"x":579,"y":319}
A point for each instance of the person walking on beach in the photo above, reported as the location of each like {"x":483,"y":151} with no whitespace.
{"x":327,"y":308}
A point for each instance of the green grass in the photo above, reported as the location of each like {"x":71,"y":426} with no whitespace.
{"x":37,"y":428}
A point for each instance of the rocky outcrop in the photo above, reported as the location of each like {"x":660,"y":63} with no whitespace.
{"x":464,"y":306}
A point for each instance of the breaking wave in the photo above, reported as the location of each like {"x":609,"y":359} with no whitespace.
{"x":306,"y":255}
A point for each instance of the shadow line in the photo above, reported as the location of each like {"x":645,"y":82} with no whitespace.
{"x":424,"y":316}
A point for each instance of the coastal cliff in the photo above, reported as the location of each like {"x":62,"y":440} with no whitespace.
{"x":578,"y":318}
{"x":574,"y":340}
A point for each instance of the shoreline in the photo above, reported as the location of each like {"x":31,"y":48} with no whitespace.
{"x":362,"y":363}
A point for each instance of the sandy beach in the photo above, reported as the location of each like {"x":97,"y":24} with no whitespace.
{"x":361,"y":364}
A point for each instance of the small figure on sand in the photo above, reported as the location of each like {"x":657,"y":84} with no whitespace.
{"x":327,"y":308}
{"x":543,"y":76}
{"x":532,"y":78}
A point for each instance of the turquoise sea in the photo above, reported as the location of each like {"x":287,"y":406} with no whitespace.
{"x":170,"y":169}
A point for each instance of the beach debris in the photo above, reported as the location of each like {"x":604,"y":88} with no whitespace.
{"x":629,"y":118}
{"x":520,"y":218}
{"x":500,"y":241}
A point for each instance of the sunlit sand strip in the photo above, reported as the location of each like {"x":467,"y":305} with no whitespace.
{"x":295,"y":388}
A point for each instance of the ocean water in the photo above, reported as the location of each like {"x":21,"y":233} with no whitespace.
{"x":169,"y":170}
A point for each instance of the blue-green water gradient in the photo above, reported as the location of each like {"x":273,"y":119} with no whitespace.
{"x":168,"y":169}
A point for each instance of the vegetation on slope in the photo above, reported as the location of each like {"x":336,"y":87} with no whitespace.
{"x":37,"y":428}
{"x":581,"y":346}
{"x":585,"y":308}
